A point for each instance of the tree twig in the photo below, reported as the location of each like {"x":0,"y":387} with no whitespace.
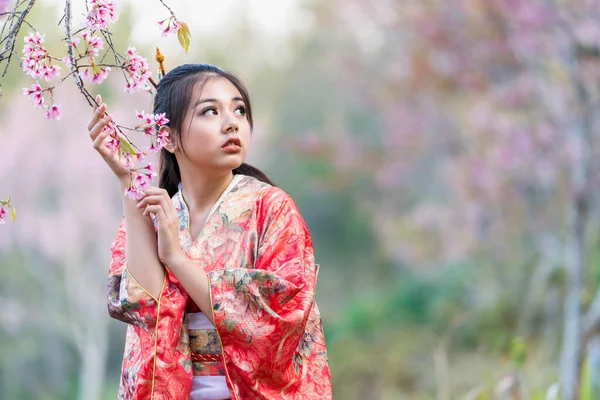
{"x":78,"y":80}
{"x":14,"y":31}
{"x":168,"y":8}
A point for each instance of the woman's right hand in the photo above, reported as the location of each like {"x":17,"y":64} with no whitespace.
{"x":100,"y":136}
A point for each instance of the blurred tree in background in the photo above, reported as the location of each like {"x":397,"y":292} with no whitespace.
{"x":444,"y":155}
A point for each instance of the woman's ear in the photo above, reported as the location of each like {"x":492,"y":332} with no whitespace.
{"x":171,"y":147}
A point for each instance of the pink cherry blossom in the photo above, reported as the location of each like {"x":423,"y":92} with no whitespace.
{"x":129,"y":161}
{"x":84,"y":74}
{"x":169,"y":25}
{"x":75,"y":41}
{"x":93,"y":43}
{"x":163,"y":139}
{"x":133,"y":192}
{"x":67,"y":61}
{"x":102,"y":13}
{"x":137,"y":71}
{"x":150,"y":130}
{"x":34,"y":38}
{"x":53,"y":112}
{"x":113,"y":141}
{"x":37,"y":63}
{"x":160,"y":119}
{"x":100,"y":77}
{"x":35,"y":93}
{"x":151,"y":170}
{"x":2,"y":214}
{"x":141,"y":181}
{"x":149,"y":124}
{"x":143,"y":118}
{"x":113,"y":144}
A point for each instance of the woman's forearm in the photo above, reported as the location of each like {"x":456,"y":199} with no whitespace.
{"x":195,"y":282}
{"x":141,"y":247}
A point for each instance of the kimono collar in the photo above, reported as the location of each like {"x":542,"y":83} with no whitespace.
{"x":183,"y":210}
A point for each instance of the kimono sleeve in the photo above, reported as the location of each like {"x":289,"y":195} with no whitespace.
{"x":261,"y":311}
{"x":130,"y":302}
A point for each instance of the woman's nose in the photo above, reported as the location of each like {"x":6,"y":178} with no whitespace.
{"x":232,"y":125}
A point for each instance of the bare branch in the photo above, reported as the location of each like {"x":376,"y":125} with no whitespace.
{"x":168,"y":8}
{"x":78,"y":80}
{"x":13,"y":33}
{"x":64,"y":78}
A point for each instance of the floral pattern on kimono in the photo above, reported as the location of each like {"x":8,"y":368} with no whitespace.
{"x":257,"y":252}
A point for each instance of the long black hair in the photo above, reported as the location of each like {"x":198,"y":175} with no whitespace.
{"x":173,"y":96}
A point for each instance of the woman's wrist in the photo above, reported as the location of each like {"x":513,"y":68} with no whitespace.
{"x":177,"y":261}
{"x":123,"y":183}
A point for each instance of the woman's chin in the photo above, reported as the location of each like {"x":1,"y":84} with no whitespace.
{"x":231,"y":163}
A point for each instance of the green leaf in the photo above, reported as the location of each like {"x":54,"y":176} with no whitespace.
{"x":184,"y":36}
{"x":97,"y":69}
{"x":126,"y":147}
{"x":13,"y":214}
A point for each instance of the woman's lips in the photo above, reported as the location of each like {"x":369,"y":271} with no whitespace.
{"x":232,"y":145}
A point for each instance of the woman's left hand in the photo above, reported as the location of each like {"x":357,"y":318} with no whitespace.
{"x":158,"y":202}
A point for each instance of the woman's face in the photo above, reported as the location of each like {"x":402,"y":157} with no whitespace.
{"x":215,"y":132}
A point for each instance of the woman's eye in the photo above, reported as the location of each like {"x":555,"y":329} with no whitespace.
{"x":241,"y":110}
{"x":209,"y":111}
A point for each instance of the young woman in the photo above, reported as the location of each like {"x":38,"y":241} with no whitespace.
{"x":219,"y":291}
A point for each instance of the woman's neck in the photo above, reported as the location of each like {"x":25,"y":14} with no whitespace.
{"x":201,"y":192}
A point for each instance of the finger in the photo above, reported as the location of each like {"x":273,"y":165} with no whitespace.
{"x":99,"y":142}
{"x":99,"y":126}
{"x":158,"y":212}
{"x":159,"y":194}
{"x":150,"y":200}
{"x":98,"y":113}
{"x":166,"y":199}
{"x":165,"y":203}
{"x":156,"y":191}
{"x":97,"y":103}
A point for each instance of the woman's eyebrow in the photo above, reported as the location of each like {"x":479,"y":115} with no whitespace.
{"x":212,"y":100}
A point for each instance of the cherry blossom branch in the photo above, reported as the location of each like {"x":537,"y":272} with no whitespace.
{"x":78,"y":80}
{"x":168,"y":8}
{"x":173,"y":25}
{"x":108,"y":38}
{"x":82,"y":66}
{"x":75,"y":68}
{"x":11,"y":38}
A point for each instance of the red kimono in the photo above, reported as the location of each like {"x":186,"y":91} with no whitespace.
{"x":268,"y":342}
